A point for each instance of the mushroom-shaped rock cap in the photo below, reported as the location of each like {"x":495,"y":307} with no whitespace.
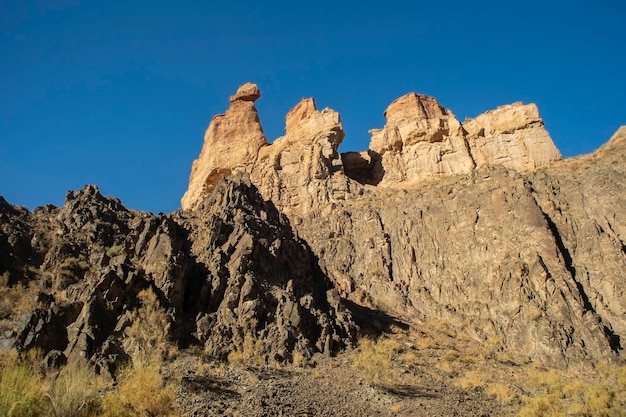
{"x":247,"y":92}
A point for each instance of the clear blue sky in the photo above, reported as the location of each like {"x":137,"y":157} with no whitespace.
{"x":119,"y":93}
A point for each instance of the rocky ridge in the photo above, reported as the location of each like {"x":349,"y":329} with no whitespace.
{"x":479,"y":224}
{"x":291,"y":249}
{"x":232,"y":275}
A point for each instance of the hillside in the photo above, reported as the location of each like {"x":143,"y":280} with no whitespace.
{"x":449,"y":252}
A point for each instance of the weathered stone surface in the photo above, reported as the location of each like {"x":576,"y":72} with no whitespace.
{"x":424,"y":141}
{"x":421,"y":140}
{"x":302,"y":170}
{"x":231,"y":144}
{"x":513,"y":136}
{"x":534,"y":259}
{"x":229,"y":274}
{"x":297,"y":171}
{"x":265,"y":295}
{"x":263,"y":260}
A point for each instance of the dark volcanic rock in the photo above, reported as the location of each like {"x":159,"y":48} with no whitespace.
{"x":232,"y":276}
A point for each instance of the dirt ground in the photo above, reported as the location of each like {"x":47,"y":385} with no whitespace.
{"x":405,"y":373}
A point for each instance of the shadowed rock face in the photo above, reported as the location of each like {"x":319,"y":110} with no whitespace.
{"x":477,"y":224}
{"x":231,"y":273}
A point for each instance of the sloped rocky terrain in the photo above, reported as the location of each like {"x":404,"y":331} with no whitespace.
{"x":474,"y":235}
{"x":231,"y":274}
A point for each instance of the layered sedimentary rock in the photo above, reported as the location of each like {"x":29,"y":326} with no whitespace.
{"x":476,"y":226}
{"x":460,"y":227}
{"x":231,"y":144}
{"x":298,"y":171}
{"x":423,"y":141}
{"x":511,"y":135}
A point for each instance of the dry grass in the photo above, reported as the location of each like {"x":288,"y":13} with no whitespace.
{"x":20,"y":390}
{"x":14,"y":300}
{"x":471,"y":380}
{"x":556,"y":393}
{"x":249,"y":352}
{"x":502,"y":392}
{"x":74,"y":391}
{"x":374,"y":359}
{"x":141,"y":392}
{"x":441,"y":326}
{"x":147,"y":336}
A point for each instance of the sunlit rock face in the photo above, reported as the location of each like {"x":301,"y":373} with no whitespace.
{"x":231,"y":143}
{"x":477,"y":223}
{"x":423,"y":141}
{"x":298,"y":171}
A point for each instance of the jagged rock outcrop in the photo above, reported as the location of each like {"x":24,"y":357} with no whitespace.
{"x":261,"y":288}
{"x":231,"y":275}
{"x":488,"y":247}
{"x":297,"y":171}
{"x":231,"y":144}
{"x":422,"y":141}
{"x":534,"y":259}
{"x":477,"y":225}
{"x":511,"y":135}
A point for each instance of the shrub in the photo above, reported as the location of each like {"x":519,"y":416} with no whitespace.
{"x":374,"y":359}
{"x":249,"y":352}
{"x":141,"y":389}
{"x":15,"y":300}
{"x":141,"y":392}
{"x":502,"y":392}
{"x":471,"y":380}
{"x":602,"y":395}
{"x":147,"y":336}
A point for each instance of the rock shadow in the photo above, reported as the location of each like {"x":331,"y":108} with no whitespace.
{"x":363,"y":167}
{"x":411,"y":391}
{"x":372,"y":323}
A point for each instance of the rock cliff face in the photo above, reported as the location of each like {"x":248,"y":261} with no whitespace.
{"x":477,"y":227}
{"x":232,"y":275}
{"x":461,"y":226}
{"x":423,"y":141}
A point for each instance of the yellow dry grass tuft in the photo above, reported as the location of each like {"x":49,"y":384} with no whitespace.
{"x":374,"y":359}
{"x":141,"y":392}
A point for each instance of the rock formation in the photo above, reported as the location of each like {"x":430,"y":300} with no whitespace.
{"x":422,"y":141}
{"x":511,"y":135}
{"x":459,"y":226}
{"x":231,"y":275}
{"x":477,"y":225}
{"x":231,"y":144}
{"x":298,"y":171}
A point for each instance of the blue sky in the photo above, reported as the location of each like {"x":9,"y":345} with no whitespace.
{"x":119,"y":93}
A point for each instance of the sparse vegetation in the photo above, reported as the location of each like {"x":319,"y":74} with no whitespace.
{"x":557,"y":394}
{"x":14,"y":300}
{"x":147,"y":336}
{"x":115,"y":250}
{"x":71,"y":270}
{"x":20,"y":389}
{"x":471,"y":380}
{"x":76,"y":391}
{"x":248,"y":353}
{"x":374,"y":359}
{"x":141,"y":392}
